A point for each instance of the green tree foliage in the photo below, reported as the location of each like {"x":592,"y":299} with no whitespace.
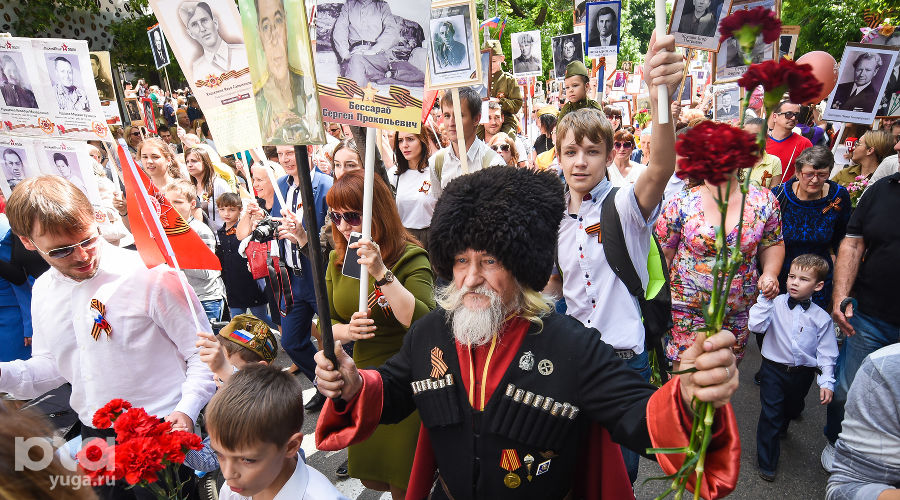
{"x":36,"y":17}
{"x":131,"y":48}
{"x":828,"y":26}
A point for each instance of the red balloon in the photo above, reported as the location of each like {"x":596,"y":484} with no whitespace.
{"x":824,"y":68}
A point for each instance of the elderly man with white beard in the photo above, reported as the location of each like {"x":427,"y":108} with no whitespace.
{"x":515,"y":399}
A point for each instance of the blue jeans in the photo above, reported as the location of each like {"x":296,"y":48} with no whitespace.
{"x":261,"y":312}
{"x":295,"y":327}
{"x":213,"y":309}
{"x":640,"y":364}
{"x":871,"y":334}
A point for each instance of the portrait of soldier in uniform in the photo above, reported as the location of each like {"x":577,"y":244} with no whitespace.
{"x":15,"y":89}
{"x":699,"y":17}
{"x":217,"y":56}
{"x":69,"y":96}
{"x":566,"y":48}
{"x":158,"y":47}
{"x":527,"y":61}
{"x":13,"y":166}
{"x":449,"y":53}
{"x":102,"y":80}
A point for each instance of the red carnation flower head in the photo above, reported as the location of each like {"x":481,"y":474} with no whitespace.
{"x":778,"y":78}
{"x":135,"y":423}
{"x":104,"y":417}
{"x":746,"y":24}
{"x":712,"y":151}
{"x":175,"y":444}
{"x":97,"y":461}
{"x":139,"y":459}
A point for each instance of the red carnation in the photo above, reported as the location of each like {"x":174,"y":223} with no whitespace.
{"x":712,"y":151}
{"x":745,"y":24}
{"x":776,"y":78}
{"x":175,"y":444}
{"x":96,"y":460}
{"x":139,"y":459}
{"x":104,"y":417}
{"x":136,"y":423}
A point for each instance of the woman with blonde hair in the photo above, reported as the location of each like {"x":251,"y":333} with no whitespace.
{"x":871,"y":148}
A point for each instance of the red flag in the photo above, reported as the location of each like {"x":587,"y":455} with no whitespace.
{"x":150,"y":214}
{"x":428,"y":103}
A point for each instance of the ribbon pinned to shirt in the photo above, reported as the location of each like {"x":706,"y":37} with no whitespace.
{"x":594,"y":229}
{"x":100,"y":324}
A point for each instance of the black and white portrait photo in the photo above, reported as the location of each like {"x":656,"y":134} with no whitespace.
{"x":862,"y":78}
{"x":454,"y":58}
{"x":102,"y":72}
{"x":149,"y":113}
{"x":14,"y":85}
{"x":695,"y":22}
{"x":687,"y":90}
{"x":579,"y":12}
{"x":218,"y":48}
{"x":134,"y":111}
{"x":727,"y":104}
{"x":158,"y":46}
{"x":526,"y":52}
{"x":890,"y":98}
{"x":603,"y":28}
{"x":566,"y":48}
{"x":65,"y":164}
{"x":729,"y":61}
{"x":14,"y":161}
{"x":65,"y":79}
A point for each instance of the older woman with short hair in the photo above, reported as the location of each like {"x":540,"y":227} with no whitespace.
{"x":623,"y":171}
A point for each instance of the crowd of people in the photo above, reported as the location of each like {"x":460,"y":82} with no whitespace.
{"x":491,"y":282}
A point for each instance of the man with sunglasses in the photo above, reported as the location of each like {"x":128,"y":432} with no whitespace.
{"x":782,"y":141}
{"x":493,"y":127}
{"x":101,"y":320}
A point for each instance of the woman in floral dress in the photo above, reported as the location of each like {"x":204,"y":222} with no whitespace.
{"x":686,"y":231}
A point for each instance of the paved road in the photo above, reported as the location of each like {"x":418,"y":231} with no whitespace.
{"x":800,"y":476}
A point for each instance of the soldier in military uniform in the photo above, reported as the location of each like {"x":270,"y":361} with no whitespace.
{"x":363,"y":35}
{"x":576,"y":85}
{"x":104,"y":86}
{"x":504,"y":90}
{"x":508,"y":390}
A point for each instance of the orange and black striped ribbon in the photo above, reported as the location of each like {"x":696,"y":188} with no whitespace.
{"x":215,"y":81}
{"x":349,"y":89}
{"x":438,"y":366}
{"x":509,"y":460}
{"x":594,"y":229}
{"x":373,"y":301}
{"x":835,"y":204}
{"x":100,"y":323}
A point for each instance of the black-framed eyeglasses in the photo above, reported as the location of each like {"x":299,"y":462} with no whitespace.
{"x":352,"y":218}
{"x":500,"y":147}
{"x":790,"y":115}
{"x":63,"y":252}
{"x":623,"y":145}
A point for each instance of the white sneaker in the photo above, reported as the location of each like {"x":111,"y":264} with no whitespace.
{"x":828,"y":457}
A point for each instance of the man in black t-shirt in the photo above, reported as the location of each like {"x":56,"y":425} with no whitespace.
{"x":873,"y":321}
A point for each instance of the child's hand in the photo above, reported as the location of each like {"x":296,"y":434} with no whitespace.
{"x":213,"y":354}
{"x":825,"y":395}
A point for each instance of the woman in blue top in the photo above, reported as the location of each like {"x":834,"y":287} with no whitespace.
{"x":814,"y":215}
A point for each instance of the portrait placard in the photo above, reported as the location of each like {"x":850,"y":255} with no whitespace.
{"x":578,"y":12}
{"x":133,"y":108}
{"x":890,"y":97}
{"x":566,"y":48}
{"x":149,"y":113}
{"x":602,"y":28}
{"x":620,"y":78}
{"x":103,"y":79}
{"x":862,"y":78}
{"x":625,"y":106}
{"x":208,"y":43}
{"x":727,"y":103}
{"x":158,"y":46}
{"x":787,"y":42}
{"x":526,"y":53}
{"x":370,"y":62}
{"x":70,"y":160}
{"x":454,"y":59}
{"x":687,"y":90}
{"x":695,"y":23}
{"x":729,"y":60}
{"x":17,"y":161}
{"x":26,"y":109}
{"x":634,"y":84}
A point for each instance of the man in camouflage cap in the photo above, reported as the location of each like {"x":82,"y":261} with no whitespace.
{"x":576,"y":87}
{"x":504,"y":90}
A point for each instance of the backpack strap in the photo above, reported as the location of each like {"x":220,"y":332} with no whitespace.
{"x":613,"y":237}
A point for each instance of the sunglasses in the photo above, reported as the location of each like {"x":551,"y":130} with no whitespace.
{"x":790,"y":115}
{"x":613,"y":117}
{"x":63,"y":252}
{"x":135,"y":133}
{"x":352,"y":218}
{"x":623,"y":145}
{"x":500,"y":147}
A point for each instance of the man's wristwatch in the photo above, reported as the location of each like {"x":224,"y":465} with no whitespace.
{"x":388,"y":278}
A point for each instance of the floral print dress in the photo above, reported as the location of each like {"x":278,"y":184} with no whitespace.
{"x":682,"y":227}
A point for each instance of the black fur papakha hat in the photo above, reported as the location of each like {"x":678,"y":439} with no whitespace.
{"x":510,"y":213}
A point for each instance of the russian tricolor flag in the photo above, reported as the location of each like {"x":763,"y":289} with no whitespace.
{"x":242,"y":335}
{"x":490,"y":23}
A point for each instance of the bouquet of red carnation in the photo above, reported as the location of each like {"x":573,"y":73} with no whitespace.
{"x":147,"y":452}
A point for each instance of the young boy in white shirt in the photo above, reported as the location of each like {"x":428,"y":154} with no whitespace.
{"x":254,"y":425}
{"x":799,"y":343}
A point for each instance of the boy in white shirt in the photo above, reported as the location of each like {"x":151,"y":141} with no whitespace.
{"x":254,"y":424}
{"x":799,"y":343}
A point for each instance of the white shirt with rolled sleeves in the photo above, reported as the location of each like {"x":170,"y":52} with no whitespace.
{"x":452,"y":168}
{"x":594,"y":294}
{"x":305,"y":483}
{"x":149,"y":357}
{"x":796,"y":337}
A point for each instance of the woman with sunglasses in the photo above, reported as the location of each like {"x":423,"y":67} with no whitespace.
{"x":133,"y":139}
{"x":623,"y":171}
{"x":401,"y":291}
{"x":411,"y":180}
{"x":208,"y":184}
{"x":870,"y":149}
{"x":504,"y":146}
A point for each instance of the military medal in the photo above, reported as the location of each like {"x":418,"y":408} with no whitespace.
{"x":545,"y":367}
{"x":529,"y":460}
{"x":543,"y":467}
{"x":509,"y":461}
{"x":98,"y":312}
{"x":526,"y":362}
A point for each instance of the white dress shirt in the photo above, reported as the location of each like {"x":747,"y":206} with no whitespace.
{"x":796,"y":337}
{"x":414,"y":202}
{"x":594,"y":294}
{"x":148,"y":358}
{"x":451,"y":168}
{"x":305,"y":483}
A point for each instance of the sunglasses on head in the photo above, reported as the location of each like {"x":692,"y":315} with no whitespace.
{"x":623,"y":145}
{"x":500,"y":147}
{"x":790,"y":115}
{"x":352,"y":218}
{"x":63,"y":252}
